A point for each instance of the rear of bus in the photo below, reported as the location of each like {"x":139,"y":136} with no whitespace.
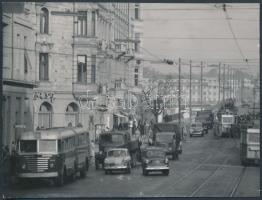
{"x":253,"y":147}
{"x":36,"y":157}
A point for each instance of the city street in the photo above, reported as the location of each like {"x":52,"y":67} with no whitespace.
{"x":208,"y":167}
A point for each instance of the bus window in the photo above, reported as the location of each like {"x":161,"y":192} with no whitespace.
{"x":47,"y":146}
{"x":59,"y":145}
{"x":82,"y":139}
{"x":28,"y":146}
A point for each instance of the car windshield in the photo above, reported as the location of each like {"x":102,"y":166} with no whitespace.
{"x":112,"y":138}
{"x":116,"y":153}
{"x":47,"y":146}
{"x":155,"y":154}
{"x":28,"y":146}
{"x":164,"y":137}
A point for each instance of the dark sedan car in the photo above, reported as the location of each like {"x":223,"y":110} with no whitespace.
{"x":154,"y":159}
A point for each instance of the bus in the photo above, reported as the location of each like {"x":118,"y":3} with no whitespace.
{"x":250,"y":144}
{"x":53,"y":153}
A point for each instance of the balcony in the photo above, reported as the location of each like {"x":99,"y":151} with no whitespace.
{"x":81,"y":88}
{"x":85,"y":40}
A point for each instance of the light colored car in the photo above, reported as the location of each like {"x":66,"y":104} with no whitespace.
{"x":196,"y":129}
{"x":117,"y":159}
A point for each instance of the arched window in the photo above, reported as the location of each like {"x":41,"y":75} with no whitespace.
{"x":72,"y":114}
{"x":44,"y":21}
{"x":45,"y":115}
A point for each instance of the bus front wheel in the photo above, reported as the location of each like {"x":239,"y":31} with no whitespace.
{"x":60,"y":180}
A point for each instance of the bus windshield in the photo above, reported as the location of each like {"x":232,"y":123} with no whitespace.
{"x":112,"y":138}
{"x":164,"y":137}
{"x":28,"y":146}
{"x":47,"y":146}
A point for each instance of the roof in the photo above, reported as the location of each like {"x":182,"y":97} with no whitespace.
{"x":51,"y":133}
{"x":166,"y":127}
{"x":114,"y":132}
{"x":114,"y":149}
{"x":153,"y":148}
{"x":253,"y":130}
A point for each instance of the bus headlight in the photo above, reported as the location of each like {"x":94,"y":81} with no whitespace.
{"x":51,"y":164}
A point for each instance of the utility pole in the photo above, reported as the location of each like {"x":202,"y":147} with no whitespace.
{"x":224,"y":77}
{"x":219,"y":74}
{"x":179,"y":91}
{"x":201,"y":85}
{"x":228,"y":82}
{"x":190,"y":92}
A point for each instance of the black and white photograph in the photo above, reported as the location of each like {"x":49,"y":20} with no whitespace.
{"x":130,"y":99}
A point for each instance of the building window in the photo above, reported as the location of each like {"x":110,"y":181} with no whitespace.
{"x":45,"y":116}
{"x":136,"y":76}
{"x":43,"y":66}
{"x":81,"y":69}
{"x":72,"y":114}
{"x":93,"y":68}
{"x":44,"y":21}
{"x":137,"y":39}
{"x":25,"y":56}
{"x":93,"y":24}
{"x":137,"y":11}
{"x":82,"y":23}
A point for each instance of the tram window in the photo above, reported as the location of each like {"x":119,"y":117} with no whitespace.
{"x":28,"y":146}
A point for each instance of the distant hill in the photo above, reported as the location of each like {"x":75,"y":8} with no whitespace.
{"x":212,"y":73}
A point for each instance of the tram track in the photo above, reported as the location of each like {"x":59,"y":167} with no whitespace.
{"x":238,"y":180}
{"x":204,"y":182}
{"x":183,"y":177}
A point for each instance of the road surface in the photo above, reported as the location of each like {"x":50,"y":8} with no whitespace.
{"x":208,"y":167}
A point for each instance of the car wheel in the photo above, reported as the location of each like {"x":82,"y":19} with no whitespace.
{"x":166,"y":172}
{"x":106,"y":171}
{"x":145,"y":173}
{"x":60,"y":180}
{"x":83,"y":172}
{"x":97,"y":165}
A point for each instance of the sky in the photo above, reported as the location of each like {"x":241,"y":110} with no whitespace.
{"x":201,"y":32}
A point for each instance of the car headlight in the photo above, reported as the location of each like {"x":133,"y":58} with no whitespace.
{"x":146,"y":161}
{"x":170,"y":148}
{"x":106,"y":161}
{"x":124,"y":162}
{"x":166,"y":161}
{"x":23,"y":166}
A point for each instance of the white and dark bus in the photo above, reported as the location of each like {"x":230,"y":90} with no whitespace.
{"x":54,"y":153}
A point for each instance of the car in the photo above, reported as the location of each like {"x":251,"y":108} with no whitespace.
{"x":154,"y":159}
{"x":117,"y":159}
{"x":196,"y":129}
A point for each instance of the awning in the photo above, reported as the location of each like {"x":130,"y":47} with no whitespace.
{"x":121,"y":114}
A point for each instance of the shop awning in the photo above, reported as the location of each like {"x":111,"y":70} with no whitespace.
{"x":121,"y":114}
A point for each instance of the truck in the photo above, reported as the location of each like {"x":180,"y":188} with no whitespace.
{"x":206,"y":118}
{"x":117,"y":139}
{"x":167,"y":136}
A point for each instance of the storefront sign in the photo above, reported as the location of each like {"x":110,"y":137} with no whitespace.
{"x":44,"y":96}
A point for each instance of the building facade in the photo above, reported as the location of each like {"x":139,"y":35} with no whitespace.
{"x":62,"y":60}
